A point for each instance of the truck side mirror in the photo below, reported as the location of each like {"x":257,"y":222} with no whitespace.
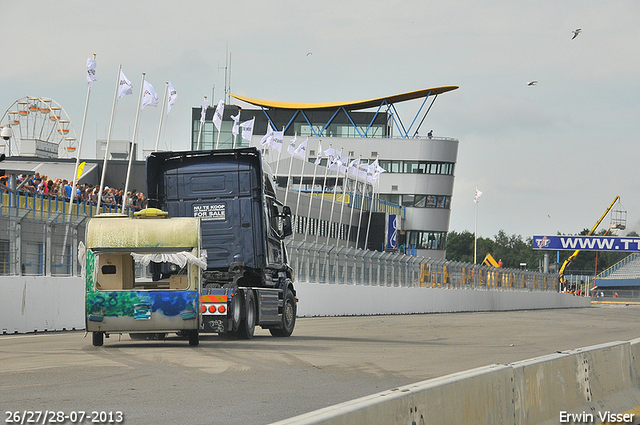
{"x":287,"y":228}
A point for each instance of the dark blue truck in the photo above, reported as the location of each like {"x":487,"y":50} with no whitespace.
{"x":248,"y":280}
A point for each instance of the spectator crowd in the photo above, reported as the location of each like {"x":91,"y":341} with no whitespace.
{"x":60,"y":188}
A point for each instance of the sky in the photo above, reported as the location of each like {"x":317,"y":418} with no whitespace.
{"x":548,"y":158}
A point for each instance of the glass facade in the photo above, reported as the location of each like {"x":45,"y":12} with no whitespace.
{"x":417,"y":167}
{"x":419,"y":201}
{"x":326,"y":123}
{"x":424,"y":239}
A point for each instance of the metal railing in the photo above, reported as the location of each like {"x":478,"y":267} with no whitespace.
{"x":341,"y":265}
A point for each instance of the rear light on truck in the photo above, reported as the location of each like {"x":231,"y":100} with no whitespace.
{"x":222,"y":309}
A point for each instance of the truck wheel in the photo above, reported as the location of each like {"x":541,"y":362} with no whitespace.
{"x":288,"y":316}
{"x":236,"y":311}
{"x":248,"y":325}
{"x":98,"y":339}
{"x":194,"y":338}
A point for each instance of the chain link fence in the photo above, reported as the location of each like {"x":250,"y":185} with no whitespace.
{"x":39,"y":237}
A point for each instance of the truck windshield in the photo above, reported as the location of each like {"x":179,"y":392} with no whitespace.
{"x":125,"y":270}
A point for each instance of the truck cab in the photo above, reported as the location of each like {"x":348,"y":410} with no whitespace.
{"x":248,"y":279}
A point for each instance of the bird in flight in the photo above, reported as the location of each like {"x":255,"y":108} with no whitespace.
{"x":309,"y":54}
{"x":532,"y":83}
{"x":576,"y":32}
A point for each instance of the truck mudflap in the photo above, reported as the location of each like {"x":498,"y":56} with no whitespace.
{"x":214,"y":314}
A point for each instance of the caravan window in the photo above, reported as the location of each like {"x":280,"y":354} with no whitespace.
{"x":118,"y":270}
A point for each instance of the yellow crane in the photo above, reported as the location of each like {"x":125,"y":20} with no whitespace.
{"x":568,"y":261}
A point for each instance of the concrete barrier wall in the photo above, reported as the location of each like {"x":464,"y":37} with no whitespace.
{"x":322,"y":299}
{"x":37,"y":303}
{"x":590,"y":385}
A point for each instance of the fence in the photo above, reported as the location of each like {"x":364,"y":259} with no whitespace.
{"x":38,"y":237}
{"x":332,"y":264}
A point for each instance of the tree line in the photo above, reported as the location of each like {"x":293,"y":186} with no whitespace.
{"x":514,"y":250}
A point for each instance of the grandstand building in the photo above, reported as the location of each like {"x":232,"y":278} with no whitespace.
{"x":414,"y":193}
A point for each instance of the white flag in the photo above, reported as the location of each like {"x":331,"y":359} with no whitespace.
{"x":172,"y":96}
{"x":276,"y":140}
{"x":247,"y":129}
{"x":292,"y":146}
{"x":217,"y":116}
{"x":91,"y":71}
{"x":301,"y":151}
{"x":478,"y":193}
{"x":353,"y":166}
{"x":330,"y":153}
{"x":236,"y":124}
{"x":149,"y":95}
{"x":319,"y":154}
{"x":203,"y":113}
{"x":266,"y":139}
{"x":124,"y":86}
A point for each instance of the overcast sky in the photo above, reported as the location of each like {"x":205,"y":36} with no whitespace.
{"x":548,"y":158}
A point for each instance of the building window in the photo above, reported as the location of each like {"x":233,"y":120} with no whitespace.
{"x":417,"y":167}
{"x":418,"y":201}
{"x":424,"y":239}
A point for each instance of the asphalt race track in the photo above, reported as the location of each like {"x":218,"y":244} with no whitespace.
{"x":326,"y":361}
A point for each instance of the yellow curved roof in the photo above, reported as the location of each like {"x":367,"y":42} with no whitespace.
{"x":352,"y":106}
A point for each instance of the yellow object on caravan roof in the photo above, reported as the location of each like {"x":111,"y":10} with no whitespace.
{"x":116,"y":232}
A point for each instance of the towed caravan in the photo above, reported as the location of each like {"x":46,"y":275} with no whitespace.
{"x":142,"y":274}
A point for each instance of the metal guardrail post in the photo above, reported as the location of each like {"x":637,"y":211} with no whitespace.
{"x":48,"y":247}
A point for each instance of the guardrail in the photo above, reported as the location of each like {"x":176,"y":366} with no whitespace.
{"x":597,"y":384}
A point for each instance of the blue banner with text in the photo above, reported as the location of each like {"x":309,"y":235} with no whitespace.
{"x":587,"y":243}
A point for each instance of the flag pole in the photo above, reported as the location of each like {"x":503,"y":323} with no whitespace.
{"x":279,"y":152}
{"x":324,"y":182}
{"x":286,"y":192}
{"x":202,"y":119}
{"x":345,"y":180}
{"x":364,"y":189}
{"x":475,"y":232}
{"x":106,"y":151}
{"x":164,"y":103}
{"x":475,"y":236}
{"x":333,"y":202}
{"x":353,"y":203}
{"x":75,"y":171}
{"x":219,"y":129}
{"x":133,"y":144}
{"x":313,"y":183}
{"x":300,"y":188}
{"x":373,"y":198}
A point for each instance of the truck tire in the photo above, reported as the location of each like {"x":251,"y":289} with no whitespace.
{"x":248,"y":325}
{"x":236,"y":311}
{"x":288,"y":316}
{"x":98,"y":339}
{"x":194,"y":338}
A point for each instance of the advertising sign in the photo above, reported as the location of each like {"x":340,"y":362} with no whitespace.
{"x":393,"y":229}
{"x":587,"y":243}
{"x":210,"y":211}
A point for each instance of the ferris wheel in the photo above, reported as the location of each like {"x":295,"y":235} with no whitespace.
{"x":39,"y":127}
